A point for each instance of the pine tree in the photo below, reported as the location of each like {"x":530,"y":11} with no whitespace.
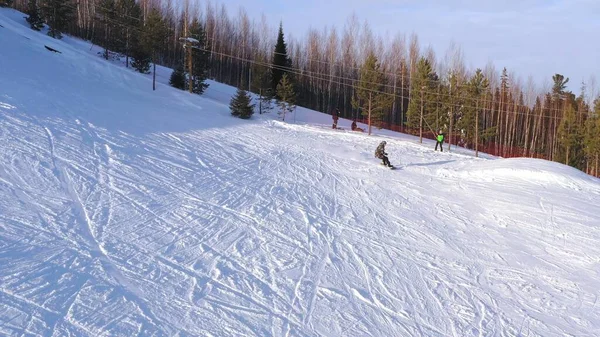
{"x":592,"y":143}
{"x":200,"y":58}
{"x":569,"y":136}
{"x":107,"y":11}
{"x":177,"y":79}
{"x":58,"y":13}
{"x":596,"y":144}
{"x":559,"y":85}
{"x":240,"y":105}
{"x":141,"y":58}
{"x":6,"y":3}
{"x":369,"y":96}
{"x":262,"y":81}
{"x":261,"y":84}
{"x":281,"y":62}
{"x":35,"y":16}
{"x":423,"y":93}
{"x":469,"y":120}
{"x":287,"y":96}
{"x":152,"y":38}
{"x":128,"y":17}
{"x":592,"y":139}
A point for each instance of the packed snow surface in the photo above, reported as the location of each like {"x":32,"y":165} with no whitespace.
{"x":128,"y":212}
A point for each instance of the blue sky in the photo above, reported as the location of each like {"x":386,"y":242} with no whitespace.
{"x":529,"y":37}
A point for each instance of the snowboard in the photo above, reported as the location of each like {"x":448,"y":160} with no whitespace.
{"x":390,"y":167}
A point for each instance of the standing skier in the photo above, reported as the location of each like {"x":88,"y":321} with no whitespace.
{"x":380,"y":153}
{"x":335,"y":115}
{"x":440,"y":141}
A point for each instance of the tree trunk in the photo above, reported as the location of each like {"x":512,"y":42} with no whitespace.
{"x":127,"y":48}
{"x":190,"y":69}
{"x":370,"y":99}
{"x":106,"y":41}
{"x":507,"y":133}
{"x":513,"y":134}
{"x":537,"y":131}
{"x":421,"y":119}
{"x":154,"y":76}
{"x":451,"y":126}
{"x":188,"y":52}
{"x":527,"y":127}
{"x":260,"y":99}
{"x":402,"y":98}
{"x":394,"y":104}
{"x":499,"y":126}
{"x":477,"y":128}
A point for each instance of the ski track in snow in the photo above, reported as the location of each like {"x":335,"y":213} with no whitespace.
{"x":167,"y":217}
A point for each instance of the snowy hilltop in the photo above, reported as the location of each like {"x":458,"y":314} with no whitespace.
{"x":131,"y":212}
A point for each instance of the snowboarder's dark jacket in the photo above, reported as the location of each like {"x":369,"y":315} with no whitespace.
{"x":335,"y":115}
{"x":380,"y":152}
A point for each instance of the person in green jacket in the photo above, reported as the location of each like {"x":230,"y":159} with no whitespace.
{"x":440,"y":141}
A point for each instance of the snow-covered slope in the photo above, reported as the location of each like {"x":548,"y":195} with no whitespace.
{"x":127,"y":212}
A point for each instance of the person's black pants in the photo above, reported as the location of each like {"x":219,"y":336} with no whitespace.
{"x":386,"y":161}
{"x":441,"y":146}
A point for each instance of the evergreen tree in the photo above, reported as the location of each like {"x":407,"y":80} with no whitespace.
{"x":570,"y":136}
{"x":177,"y":79}
{"x":129,"y":16}
{"x":264,"y":90}
{"x":200,"y":58}
{"x":424,"y":96}
{"x":240,"y":105}
{"x":261,"y":84}
{"x":107,"y":11}
{"x":58,"y":13}
{"x":469,"y":120}
{"x":281,"y":62}
{"x":153,"y":37}
{"x":559,"y":85}
{"x":592,"y":139}
{"x":6,"y":3}
{"x":141,"y":58}
{"x":287,"y":96}
{"x":558,"y":97}
{"x":592,"y":143}
{"x":35,"y":16}
{"x":369,"y":96}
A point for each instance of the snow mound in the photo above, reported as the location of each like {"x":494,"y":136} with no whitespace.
{"x":128,"y":212}
{"x":537,"y":171}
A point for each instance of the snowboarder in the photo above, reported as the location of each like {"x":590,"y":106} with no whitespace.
{"x":356,"y":128}
{"x":380,"y":153}
{"x":335,"y":115}
{"x":440,"y":141}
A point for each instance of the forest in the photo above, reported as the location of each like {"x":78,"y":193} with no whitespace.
{"x":393,"y":83}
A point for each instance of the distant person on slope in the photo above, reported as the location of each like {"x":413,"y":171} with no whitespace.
{"x":356,"y":128}
{"x":335,"y":115}
{"x":380,"y":153}
{"x":440,"y":141}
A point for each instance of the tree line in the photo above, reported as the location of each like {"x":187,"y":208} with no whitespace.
{"x":392,"y":83}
